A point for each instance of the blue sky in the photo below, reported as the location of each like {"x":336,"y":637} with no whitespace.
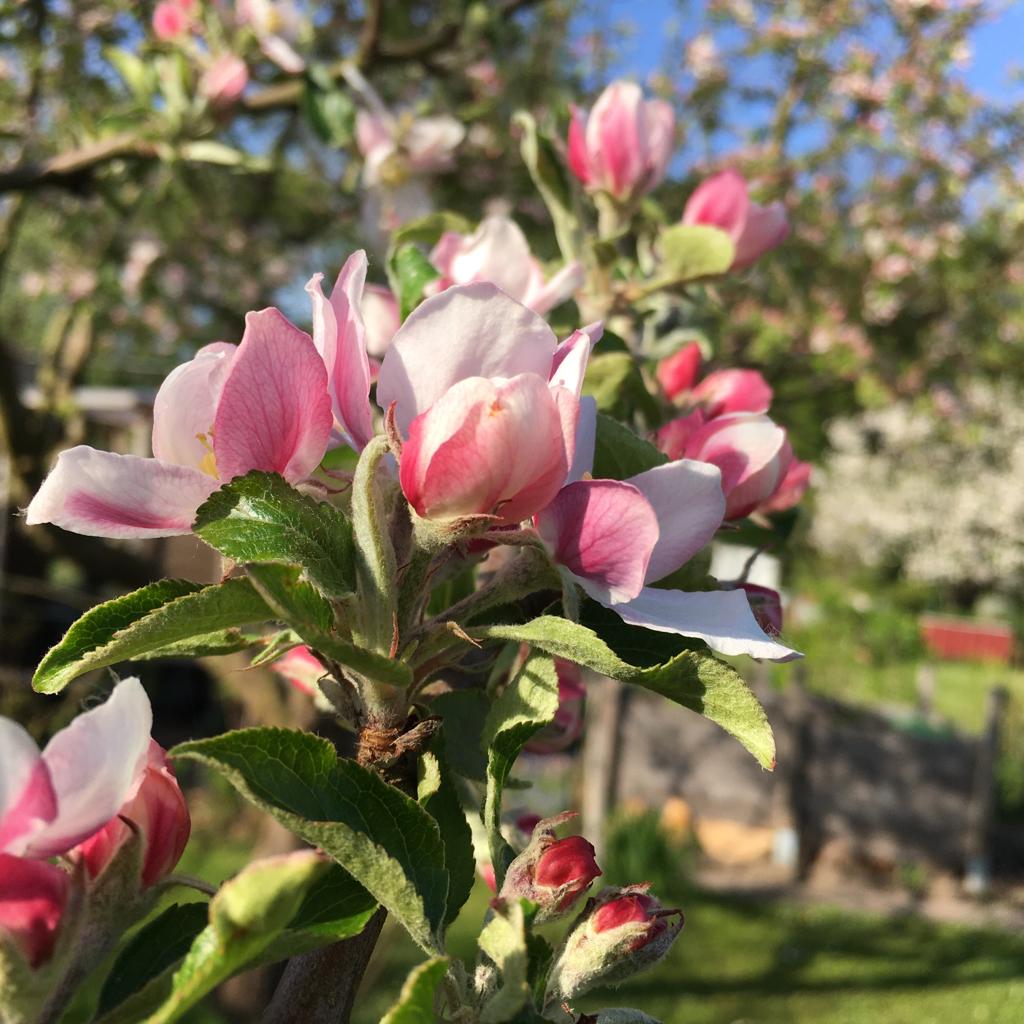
{"x":998,"y":45}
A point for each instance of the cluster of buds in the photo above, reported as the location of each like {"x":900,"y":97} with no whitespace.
{"x":102,"y":797}
{"x":619,"y":933}
{"x":725,"y":424}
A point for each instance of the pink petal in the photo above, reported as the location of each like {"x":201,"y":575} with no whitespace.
{"x":27,"y":799}
{"x":791,"y":488}
{"x":430,"y":142}
{"x":673,"y":438}
{"x":659,"y":126}
{"x":33,"y":895}
{"x":186,"y":405}
{"x":579,"y":162}
{"x":725,"y":391}
{"x":93,"y":764}
{"x":380,"y":318}
{"x":766,"y":227}
{"x":721,"y":618}
{"x":275,"y":411}
{"x":677,"y":372}
{"x":472,"y":330}
{"x":569,"y":363}
{"x":603,"y":532}
{"x":687,"y":499}
{"x":722,"y":202}
{"x":340,"y":337}
{"x":497,"y":252}
{"x":101,"y":494}
{"x":562,"y":286}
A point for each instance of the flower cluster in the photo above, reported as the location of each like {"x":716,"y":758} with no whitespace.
{"x":100,"y":795}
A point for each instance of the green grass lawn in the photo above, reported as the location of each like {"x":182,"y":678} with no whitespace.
{"x":772,"y":964}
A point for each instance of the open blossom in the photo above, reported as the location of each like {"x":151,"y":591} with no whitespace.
{"x":156,"y":810}
{"x":499,"y":252}
{"x":51,"y":801}
{"x":623,"y":145}
{"x":263,"y":404}
{"x":478,"y":381}
{"x":224,"y":81}
{"x":615,"y":539}
{"x":394,"y":146}
{"x":723,"y":201}
{"x":277,"y":24}
{"x":33,"y":898}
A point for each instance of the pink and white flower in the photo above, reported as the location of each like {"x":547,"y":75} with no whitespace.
{"x":51,"y":801}
{"x":381,"y":318}
{"x":723,"y":201}
{"x":488,"y":402}
{"x":33,"y":898}
{"x":623,"y":146}
{"x":394,"y":146}
{"x":615,"y":539}
{"x":499,"y":252}
{"x":263,"y":404}
{"x":224,"y":81}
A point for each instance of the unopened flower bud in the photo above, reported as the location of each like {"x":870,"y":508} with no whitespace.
{"x":619,"y":933}
{"x":157,"y":810}
{"x":224,"y":80}
{"x":33,"y":896}
{"x":553,"y":873}
{"x":677,"y":372}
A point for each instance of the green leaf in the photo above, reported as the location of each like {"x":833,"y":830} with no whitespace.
{"x":245,"y":916}
{"x":504,"y":941}
{"x":136,"y":73}
{"x":526,"y":705}
{"x":410,"y":272}
{"x":547,"y":170}
{"x":443,"y":805}
{"x":384,"y":839}
{"x":366,"y":663}
{"x":328,"y":109}
{"x":141,"y":976}
{"x":464,"y":713}
{"x":429,"y":229}
{"x":614,"y":380}
{"x":416,"y":1002}
{"x":208,"y":645}
{"x":695,"y":679}
{"x":260,"y":518}
{"x":692,"y":251}
{"x":170,"y":612}
{"x":291,"y":598}
{"x":620,"y":454}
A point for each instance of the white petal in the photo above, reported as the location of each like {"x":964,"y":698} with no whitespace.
{"x":94,"y":763}
{"x":586,"y":439}
{"x":721,"y":618}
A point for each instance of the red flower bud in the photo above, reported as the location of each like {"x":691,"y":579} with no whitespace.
{"x":619,"y":933}
{"x":158,"y":811}
{"x":553,"y":873}
{"x":33,"y":895}
{"x":677,"y":372}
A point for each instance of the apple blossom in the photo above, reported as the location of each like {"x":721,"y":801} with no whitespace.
{"x":499,"y":252}
{"x":156,"y":810}
{"x":791,"y":487}
{"x":171,"y":19}
{"x":623,"y":145}
{"x":616,"y":538}
{"x":725,"y":391}
{"x":276,"y":24}
{"x":723,"y":201}
{"x":224,"y":81}
{"x":33,"y":898}
{"x":396,"y":145}
{"x":263,"y":404}
{"x":478,"y":380}
{"x":53,"y":800}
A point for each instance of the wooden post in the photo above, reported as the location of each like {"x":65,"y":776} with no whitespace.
{"x":978,"y":861}
{"x":600,"y":757}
